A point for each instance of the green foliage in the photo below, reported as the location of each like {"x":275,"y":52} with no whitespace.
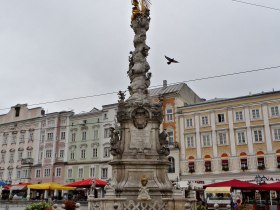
{"x":201,"y":207}
{"x":38,"y":206}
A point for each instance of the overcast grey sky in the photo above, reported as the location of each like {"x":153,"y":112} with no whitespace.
{"x":59,"y":49}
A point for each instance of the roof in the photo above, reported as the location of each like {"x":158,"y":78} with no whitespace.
{"x":166,"y":90}
{"x":215,"y":100}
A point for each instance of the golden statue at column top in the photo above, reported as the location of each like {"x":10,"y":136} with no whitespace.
{"x":139,"y":6}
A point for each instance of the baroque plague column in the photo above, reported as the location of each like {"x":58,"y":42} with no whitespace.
{"x":140,"y":165}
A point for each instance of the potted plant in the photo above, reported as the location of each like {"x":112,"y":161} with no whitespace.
{"x":39,"y":206}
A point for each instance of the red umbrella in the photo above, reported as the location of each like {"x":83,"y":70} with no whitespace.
{"x":272,"y":186}
{"x":87,"y":183}
{"x":235,"y":184}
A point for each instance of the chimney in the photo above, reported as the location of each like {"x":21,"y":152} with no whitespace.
{"x":164,"y":83}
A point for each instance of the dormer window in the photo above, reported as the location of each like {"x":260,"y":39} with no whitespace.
{"x":17,"y":111}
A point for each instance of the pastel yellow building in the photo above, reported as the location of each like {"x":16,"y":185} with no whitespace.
{"x":230,"y":138}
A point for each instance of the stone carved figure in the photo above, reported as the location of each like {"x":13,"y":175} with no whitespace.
{"x":164,"y":149}
{"x":92,"y":188}
{"x":144,"y":191}
{"x":121,"y":95}
{"x":115,"y":141}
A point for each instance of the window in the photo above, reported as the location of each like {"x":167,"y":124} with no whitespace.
{"x":91,"y":172}
{"x":84,"y":135}
{"x":94,"y":152}
{"x":20,"y":155}
{"x":14,"y":139}
{"x":48,"y":153}
{"x":278,"y":162}
{"x":69,"y":172}
{"x":10,"y":173}
{"x":206,"y":140}
{"x":41,"y":155}
{"x":189,"y":123}
{"x":51,"y":123}
{"x":258,"y":135}
{"x":50,"y":136}
{"x":21,"y":138}
{"x":241,"y":139}
{"x":43,"y":137}
{"x":83,"y":153}
{"x":104,"y":173}
{"x":261,"y":164}
{"x":274,"y":111}
{"x":190,"y":142}
{"x":5,"y":138}
{"x":106,"y":151}
{"x":207,"y":165}
{"x":47,"y":172}
{"x":106,"y":132}
{"x":18,"y":174}
{"x":191,"y":167}
{"x":171,"y":168}
{"x":17,"y":111}
{"x":58,"y":172}
{"x":221,"y":118}
{"x":81,"y":173}
{"x":31,"y":134}
{"x":26,"y":173}
{"x":225,"y":166}
{"x":72,"y":155}
{"x":62,"y":135}
{"x":170,"y":138}
{"x":255,"y":113}
{"x":244,"y":164}
{"x":204,"y":120}
{"x":12,"y":154}
{"x":169,"y":115}
{"x":29,"y":154}
{"x":61,"y":153}
{"x":95,"y":134}
{"x":73,"y":138}
{"x":238,"y":115}
{"x":63,"y":121}
{"x":276,"y":132}
{"x":222,"y":138}
{"x":3,"y":155}
{"x":38,"y":173}
{"x":105,"y":116}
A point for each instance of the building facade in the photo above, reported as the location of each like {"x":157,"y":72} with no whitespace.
{"x":230,"y":138}
{"x":173,"y":96}
{"x":89,"y":144}
{"x":51,"y":153}
{"x":19,"y":135}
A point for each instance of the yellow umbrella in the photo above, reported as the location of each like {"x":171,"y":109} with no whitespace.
{"x":49,"y":186}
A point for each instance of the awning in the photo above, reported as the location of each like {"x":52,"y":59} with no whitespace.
{"x":18,"y":187}
{"x":217,"y":189}
{"x":49,"y":186}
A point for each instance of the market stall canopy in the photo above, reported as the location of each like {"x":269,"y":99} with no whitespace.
{"x":217,"y":189}
{"x":20,"y":186}
{"x":273,"y":186}
{"x":49,"y":186}
{"x":87,"y":183}
{"x":235,"y":184}
{"x":3,"y":184}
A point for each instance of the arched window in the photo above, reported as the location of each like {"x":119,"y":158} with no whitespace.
{"x":191,"y":164}
{"x":278,"y":158}
{"x":207,"y":163}
{"x":170,"y":133}
{"x":225,"y":165}
{"x":171,"y":168}
{"x":260,"y":160}
{"x":243,"y":161}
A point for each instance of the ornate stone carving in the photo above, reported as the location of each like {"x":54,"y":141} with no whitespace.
{"x":164,"y":150}
{"x":115,"y":142}
{"x":144,"y":191}
{"x":140,"y":117}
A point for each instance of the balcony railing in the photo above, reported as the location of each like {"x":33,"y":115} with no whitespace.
{"x":27,"y":161}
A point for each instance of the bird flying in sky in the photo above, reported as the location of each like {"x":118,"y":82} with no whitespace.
{"x":170,"y":60}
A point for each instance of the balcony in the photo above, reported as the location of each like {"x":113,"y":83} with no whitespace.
{"x":27,"y":161}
